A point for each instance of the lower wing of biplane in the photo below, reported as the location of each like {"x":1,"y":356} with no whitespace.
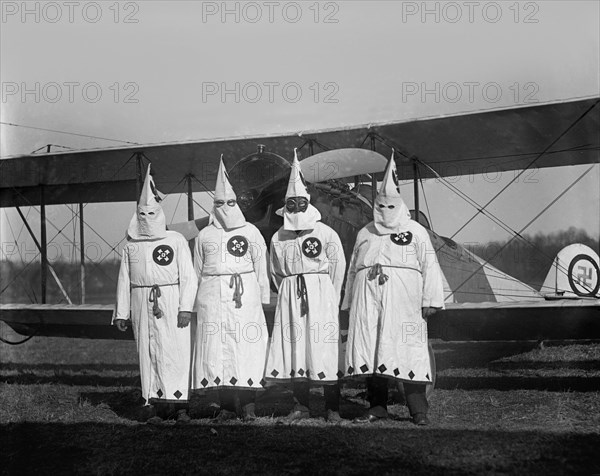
{"x":548,"y":135}
{"x":489,"y":305}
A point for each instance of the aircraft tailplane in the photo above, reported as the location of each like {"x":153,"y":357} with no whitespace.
{"x":575,"y":272}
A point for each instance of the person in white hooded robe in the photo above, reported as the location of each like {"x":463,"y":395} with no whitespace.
{"x":394,"y":283}
{"x":231,"y":262}
{"x":156,"y":290}
{"x":307,"y":267}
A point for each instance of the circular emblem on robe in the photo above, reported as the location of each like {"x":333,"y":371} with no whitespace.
{"x":402,"y":239}
{"x":237,"y":245}
{"x":163,"y":255}
{"x":584,"y":275}
{"x":311,"y":247}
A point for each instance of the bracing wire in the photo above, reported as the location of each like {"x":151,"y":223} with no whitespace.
{"x":526,"y":226}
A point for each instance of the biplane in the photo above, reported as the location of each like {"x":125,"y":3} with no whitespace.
{"x":342,"y":167}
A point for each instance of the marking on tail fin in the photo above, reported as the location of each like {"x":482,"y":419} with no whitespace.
{"x":584,"y":273}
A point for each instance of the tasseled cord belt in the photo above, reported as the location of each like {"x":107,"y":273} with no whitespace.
{"x":237,"y":284}
{"x":377,"y":270}
{"x":301,"y":290}
{"x":154,"y":295}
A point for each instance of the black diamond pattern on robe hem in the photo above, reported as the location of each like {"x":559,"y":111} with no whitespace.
{"x":396,"y":371}
{"x":301,"y":372}
{"x":411,"y":374}
{"x":292,"y":373}
{"x":364,"y":368}
{"x":274,"y":373}
{"x":382,"y":368}
{"x":340,"y":374}
{"x":178,"y":394}
{"x":159,"y":393}
{"x":427,"y":377}
{"x":205,"y":385}
{"x":321,"y":375}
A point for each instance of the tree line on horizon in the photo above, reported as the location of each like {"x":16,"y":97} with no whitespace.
{"x":527,"y":260}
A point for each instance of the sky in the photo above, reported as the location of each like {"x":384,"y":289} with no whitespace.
{"x":153,"y":72}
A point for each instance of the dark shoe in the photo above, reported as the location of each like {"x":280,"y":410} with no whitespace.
{"x":183,"y":418}
{"x":248,"y":412}
{"x":334,"y":417}
{"x":226,"y":415}
{"x":296,"y":415}
{"x":146,"y":412}
{"x":374,"y":414}
{"x":250,"y":416}
{"x":420,"y":419}
{"x":368,"y":418}
{"x":155,"y":420}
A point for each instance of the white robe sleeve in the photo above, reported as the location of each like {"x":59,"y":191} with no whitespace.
{"x":433,"y":286}
{"x":350,"y":279}
{"x":260,"y":259}
{"x":123,"y":307}
{"x":198,"y":257}
{"x":337,"y":262}
{"x":188,"y":282}
{"x":275,"y":266}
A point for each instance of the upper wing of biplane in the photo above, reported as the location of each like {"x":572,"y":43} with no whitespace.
{"x":545,"y":135}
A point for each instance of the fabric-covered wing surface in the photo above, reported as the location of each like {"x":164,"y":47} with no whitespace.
{"x":491,"y":141}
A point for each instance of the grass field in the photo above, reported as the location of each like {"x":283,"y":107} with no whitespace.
{"x":70,"y":406}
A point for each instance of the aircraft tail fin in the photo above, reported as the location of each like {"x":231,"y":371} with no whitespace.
{"x":574,"y":272}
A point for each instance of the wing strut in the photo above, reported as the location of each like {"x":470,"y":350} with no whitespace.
{"x":82,"y":252}
{"x":190,"y":204}
{"x":416,"y":187}
{"x":45,"y":263}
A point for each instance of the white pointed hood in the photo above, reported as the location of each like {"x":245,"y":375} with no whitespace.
{"x":226,"y":216}
{"x":390,"y":220}
{"x":297,"y":188}
{"x":148,"y":223}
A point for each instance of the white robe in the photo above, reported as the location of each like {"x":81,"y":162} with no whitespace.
{"x":306,"y":347}
{"x":387,"y":334}
{"x":164,"y":350}
{"x":230,"y":343}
